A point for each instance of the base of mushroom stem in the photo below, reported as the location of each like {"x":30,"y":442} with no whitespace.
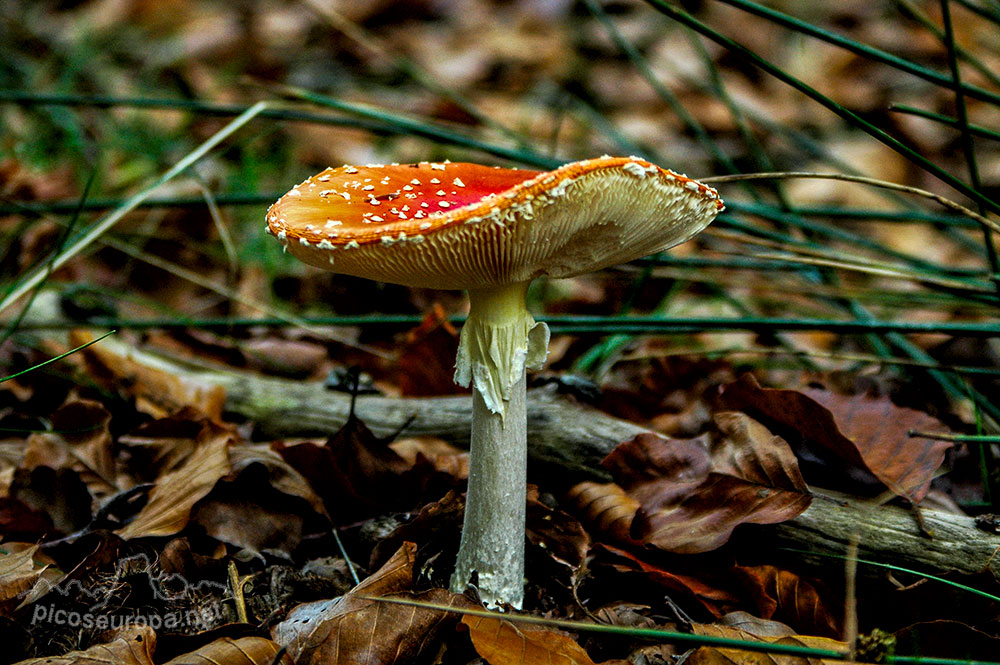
{"x":492,"y":551}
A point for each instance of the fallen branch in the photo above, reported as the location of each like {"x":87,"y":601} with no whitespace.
{"x":572,"y":439}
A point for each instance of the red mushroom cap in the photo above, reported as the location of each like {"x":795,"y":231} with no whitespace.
{"x":465,"y":226}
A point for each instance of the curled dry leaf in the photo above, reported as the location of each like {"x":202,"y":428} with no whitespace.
{"x":557,"y":536}
{"x":863,"y":434}
{"x":691,"y":502}
{"x":24,"y":573}
{"x":281,"y":475}
{"x":159,"y":446}
{"x":156,"y":392}
{"x":175,"y":494}
{"x":351,"y":472}
{"x":606,"y":509}
{"x":81,"y":440}
{"x":426,"y":364}
{"x":713,"y":599}
{"x":48,"y":498}
{"x":226,"y":651}
{"x":503,"y":642}
{"x":261,"y":504}
{"x":720,"y":656}
{"x":784,"y":596}
{"x":133,"y":645}
{"x":356,"y":628}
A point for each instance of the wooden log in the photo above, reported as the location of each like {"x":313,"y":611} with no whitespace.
{"x":573,"y":438}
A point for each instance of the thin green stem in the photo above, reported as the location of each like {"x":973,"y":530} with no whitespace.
{"x":865,"y":51}
{"x":56,"y":358}
{"x":365,"y":117}
{"x":968,"y":149}
{"x":76,"y":245}
{"x":584,"y":324}
{"x":687,"y":19}
{"x":975,"y":130}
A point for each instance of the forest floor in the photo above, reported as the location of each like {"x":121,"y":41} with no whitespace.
{"x":778,"y":435}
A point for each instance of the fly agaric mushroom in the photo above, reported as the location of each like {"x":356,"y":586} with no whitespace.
{"x":490,"y":231}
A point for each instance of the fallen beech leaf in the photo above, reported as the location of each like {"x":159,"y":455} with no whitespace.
{"x":691,"y":503}
{"x":749,"y":451}
{"x":867,"y":435}
{"x":281,"y":475}
{"x":133,"y":645}
{"x":351,"y":472}
{"x":17,"y":570}
{"x":425,"y":365}
{"x":503,"y":642}
{"x":159,"y":446}
{"x":21,"y":570}
{"x":156,"y":392}
{"x":651,"y":468}
{"x":81,"y":440}
{"x":355,"y":628}
{"x":60,"y":494}
{"x":720,"y":656}
{"x":22,"y":522}
{"x":260,"y":504}
{"x":784,"y":596}
{"x":606,"y":508}
{"x":175,"y":494}
{"x":226,"y":651}
{"x":555,"y":536}
{"x":711,"y":598}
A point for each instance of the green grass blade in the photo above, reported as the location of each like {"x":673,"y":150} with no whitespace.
{"x":918,"y":15}
{"x":630,"y":631}
{"x":863,"y":50}
{"x":968,"y":149}
{"x":364,"y":117}
{"x":687,"y":19}
{"x":975,"y":130}
{"x":49,"y":265}
{"x":889,"y":566}
{"x":402,"y":124}
{"x":76,"y":245}
{"x":57,"y":358}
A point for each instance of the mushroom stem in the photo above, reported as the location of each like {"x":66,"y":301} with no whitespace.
{"x":491,"y":555}
{"x":498,"y":340}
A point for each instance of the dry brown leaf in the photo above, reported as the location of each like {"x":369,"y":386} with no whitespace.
{"x":17,"y":570}
{"x":226,"y":651}
{"x":281,"y":475}
{"x":175,"y":494}
{"x":131,"y":646}
{"x":784,"y":596}
{"x":555,"y":537}
{"x":503,"y":642}
{"x":20,"y":571}
{"x":156,"y":392}
{"x":353,"y":469}
{"x":606,"y":508}
{"x":719,"y":656}
{"x":426,"y":363}
{"x":748,"y":450}
{"x":355,"y":628}
{"x":81,"y":440}
{"x":712,"y":598}
{"x":691,"y":503}
{"x":866,"y":434}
